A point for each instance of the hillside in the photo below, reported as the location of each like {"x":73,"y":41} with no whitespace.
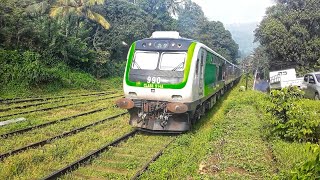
{"x":243,"y":34}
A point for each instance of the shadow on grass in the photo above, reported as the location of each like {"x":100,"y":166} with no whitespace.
{"x":204,"y":119}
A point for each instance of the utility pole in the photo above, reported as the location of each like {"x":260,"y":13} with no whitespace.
{"x":247,"y":74}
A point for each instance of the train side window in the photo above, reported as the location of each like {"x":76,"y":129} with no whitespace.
{"x":203,"y":53}
{"x":215,"y":59}
{"x":202,"y":56}
{"x":209,"y":59}
{"x":197,"y":66}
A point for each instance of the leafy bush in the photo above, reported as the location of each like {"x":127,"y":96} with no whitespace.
{"x":70,"y":78}
{"x":311,"y":168}
{"x":290,"y":116}
{"x":19,"y":68}
{"x":26,"y":69}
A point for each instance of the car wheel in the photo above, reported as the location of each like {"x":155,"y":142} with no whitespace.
{"x":316,"y":97}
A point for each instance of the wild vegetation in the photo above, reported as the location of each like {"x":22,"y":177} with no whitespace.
{"x":56,"y":44}
{"x":294,"y":119}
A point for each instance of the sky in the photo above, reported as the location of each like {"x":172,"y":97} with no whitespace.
{"x":234,"y":11}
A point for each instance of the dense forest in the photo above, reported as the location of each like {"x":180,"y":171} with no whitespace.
{"x":70,"y":43}
{"x":290,"y":36}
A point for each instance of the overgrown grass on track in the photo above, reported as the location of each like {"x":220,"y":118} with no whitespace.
{"x":39,"y":162}
{"x":18,"y":141}
{"x":66,"y":103}
{"x":124,"y":160}
{"x":40,"y":117}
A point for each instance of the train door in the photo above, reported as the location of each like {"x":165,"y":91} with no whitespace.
{"x":203,"y":55}
{"x":199,"y":74}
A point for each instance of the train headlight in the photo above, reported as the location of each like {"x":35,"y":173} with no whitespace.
{"x":133,"y":94}
{"x":125,"y":103}
{"x":177,"y":108}
{"x":176,"y":97}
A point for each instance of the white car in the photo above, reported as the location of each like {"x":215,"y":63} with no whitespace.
{"x":311,"y":85}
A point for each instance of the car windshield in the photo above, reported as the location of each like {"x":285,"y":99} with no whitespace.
{"x":145,"y":60}
{"x":318,"y":77}
{"x":173,"y":61}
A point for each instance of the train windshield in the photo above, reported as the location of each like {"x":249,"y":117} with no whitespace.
{"x":172,"y":61}
{"x":166,"y":67}
{"x":145,"y":60}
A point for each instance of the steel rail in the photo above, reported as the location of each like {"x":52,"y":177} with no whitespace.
{"x":88,"y":157}
{"x":49,"y":140}
{"x":154,"y":158}
{"x":20,"y":131}
{"x":20,"y":100}
{"x":42,"y":103}
{"x":56,"y":107}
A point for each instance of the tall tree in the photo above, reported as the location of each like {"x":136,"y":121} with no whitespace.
{"x":82,"y":8}
{"x":193,"y":24}
{"x":291,"y":35}
{"x":161,"y":12}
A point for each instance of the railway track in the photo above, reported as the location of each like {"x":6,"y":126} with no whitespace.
{"x":45,"y":102}
{"x":61,"y":106}
{"x":137,"y":149}
{"x":20,"y":131}
{"x":49,"y":140}
{"x":20,"y":100}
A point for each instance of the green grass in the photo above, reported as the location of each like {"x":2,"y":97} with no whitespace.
{"x":240,"y":153}
{"x":47,"y":116}
{"x":37,"y":163}
{"x":56,"y":100}
{"x":289,"y":156}
{"x":229,"y":142}
{"x":68,"y":102}
{"x":124,"y":160}
{"x":17,"y":141}
{"x":226,"y":141}
{"x":56,"y":89}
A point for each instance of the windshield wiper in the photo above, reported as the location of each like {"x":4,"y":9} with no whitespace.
{"x":134,"y":62}
{"x":178,"y":67}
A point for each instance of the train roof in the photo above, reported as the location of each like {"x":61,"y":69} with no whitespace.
{"x":165,"y":44}
{"x":169,"y":41}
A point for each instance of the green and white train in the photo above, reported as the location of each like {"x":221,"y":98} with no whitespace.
{"x":170,"y":82}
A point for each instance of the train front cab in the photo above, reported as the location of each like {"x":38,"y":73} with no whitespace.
{"x":157,"y":107}
{"x":159,"y":93}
